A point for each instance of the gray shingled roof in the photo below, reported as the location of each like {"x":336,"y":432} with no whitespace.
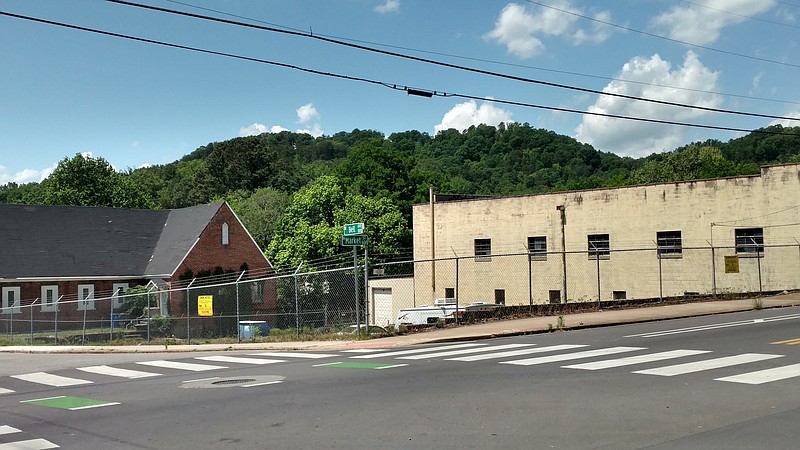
{"x":76,"y":241}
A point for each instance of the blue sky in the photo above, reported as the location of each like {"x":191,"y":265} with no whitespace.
{"x":65,"y":91}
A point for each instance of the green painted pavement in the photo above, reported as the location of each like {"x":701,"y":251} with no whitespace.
{"x":359,"y":365}
{"x":69,"y":403}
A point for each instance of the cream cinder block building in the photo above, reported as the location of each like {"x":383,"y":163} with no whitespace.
{"x":726,"y":235}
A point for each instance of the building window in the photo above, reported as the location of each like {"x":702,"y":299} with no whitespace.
{"x":537,"y":248}
{"x":669,"y":244}
{"x":450,"y":292}
{"x":11,"y":300}
{"x":599,"y":246}
{"x":49,"y":298}
{"x":225,"y":236}
{"x":749,"y":241}
{"x":85,"y":297}
{"x":500,"y":297}
{"x":483,"y":249}
{"x":118,"y":295}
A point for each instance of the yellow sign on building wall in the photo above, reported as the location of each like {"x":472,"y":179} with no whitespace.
{"x":732,"y":264}
{"x":205,"y":305}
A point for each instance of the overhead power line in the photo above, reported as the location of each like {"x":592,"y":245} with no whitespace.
{"x":393,"y":86}
{"x":449,"y":65}
{"x":658,"y":36}
{"x":501,"y":63}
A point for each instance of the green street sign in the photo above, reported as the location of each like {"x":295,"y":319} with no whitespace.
{"x":359,"y":240}
{"x":352,"y":229}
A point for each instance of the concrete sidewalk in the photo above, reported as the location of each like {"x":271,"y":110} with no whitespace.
{"x":465,"y":332}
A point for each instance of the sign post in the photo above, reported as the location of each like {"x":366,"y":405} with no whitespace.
{"x":354,"y":236}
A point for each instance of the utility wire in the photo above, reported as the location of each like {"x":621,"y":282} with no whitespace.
{"x":772,"y":22}
{"x":449,"y":65}
{"x":658,"y":36}
{"x":398,"y":87}
{"x":489,"y":61}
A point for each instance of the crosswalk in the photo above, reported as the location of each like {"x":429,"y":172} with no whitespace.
{"x":639,"y":360}
{"x":21,"y":442}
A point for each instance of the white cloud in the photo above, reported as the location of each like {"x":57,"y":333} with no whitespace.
{"x":701,"y":24}
{"x":307,"y":113}
{"x":636,"y":138}
{"x":25,"y":175}
{"x":517,"y":28}
{"x":464,"y":115}
{"x":253,"y":130}
{"x":789,"y":123}
{"x":277,"y":129}
{"x":388,"y":6}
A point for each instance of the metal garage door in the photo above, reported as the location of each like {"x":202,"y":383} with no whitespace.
{"x":382,"y":306}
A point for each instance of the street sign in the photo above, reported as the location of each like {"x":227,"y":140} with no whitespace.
{"x":359,"y":240}
{"x":205,"y":306}
{"x":353,"y":229}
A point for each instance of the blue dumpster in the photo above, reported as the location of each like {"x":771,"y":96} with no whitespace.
{"x":114,"y":320}
{"x":247,"y":328}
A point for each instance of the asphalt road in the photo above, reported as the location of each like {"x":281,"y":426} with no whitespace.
{"x":676,"y":384}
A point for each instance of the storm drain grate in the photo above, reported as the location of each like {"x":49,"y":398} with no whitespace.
{"x":235,"y":381}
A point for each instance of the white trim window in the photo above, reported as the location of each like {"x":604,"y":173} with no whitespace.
{"x":85,"y":297}
{"x":225,"y":235}
{"x":49,"y":298}
{"x":11,"y":300}
{"x":483,"y":249}
{"x":118,"y":295}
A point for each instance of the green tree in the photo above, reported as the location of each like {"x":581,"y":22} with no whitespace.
{"x":87,"y":181}
{"x":260,"y":211}
{"x":311,"y":226}
{"x":691,"y":163}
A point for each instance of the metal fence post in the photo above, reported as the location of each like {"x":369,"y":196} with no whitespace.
{"x":55,"y":323}
{"x":713,"y":272}
{"x":297,"y":302}
{"x":366,"y":289}
{"x":238,"y":330}
{"x":85,"y":307}
{"x":758,"y":261}
{"x":111,"y":314}
{"x":34,"y":302}
{"x":456,"y":293}
{"x":660,"y":276}
{"x":188,"y":313}
{"x":355,"y":285}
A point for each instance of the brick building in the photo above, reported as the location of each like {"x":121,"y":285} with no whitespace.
{"x":65,"y":259}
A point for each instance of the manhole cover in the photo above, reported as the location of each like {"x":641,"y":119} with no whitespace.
{"x":217,"y":382}
{"x":235,"y":381}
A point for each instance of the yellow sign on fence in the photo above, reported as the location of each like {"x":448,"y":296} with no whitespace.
{"x":732,"y":264}
{"x":205,"y":305}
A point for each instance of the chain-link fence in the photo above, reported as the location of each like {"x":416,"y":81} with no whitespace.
{"x":244,"y":306}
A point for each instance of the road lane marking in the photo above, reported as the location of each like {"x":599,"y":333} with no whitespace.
{"x":261,"y":384}
{"x":50,"y":379}
{"x":524,"y":351}
{"x":115,"y":372}
{"x":570,"y":356}
{"x":714,"y":326}
{"x":294,"y":355}
{"x":69,"y":403}
{"x":6,"y":429}
{"x":31,"y":444}
{"x":416,"y":350}
{"x":6,"y":391}
{"x":638,"y":359}
{"x":239,"y":360}
{"x":765,"y":376}
{"x":194,"y":367}
{"x":359,"y":365}
{"x":465,"y":351}
{"x":794,"y":341}
{"x":364,"y":350}
{"x":708,"y":364}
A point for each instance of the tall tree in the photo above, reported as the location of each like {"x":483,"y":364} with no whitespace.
{"x":87,"y":181}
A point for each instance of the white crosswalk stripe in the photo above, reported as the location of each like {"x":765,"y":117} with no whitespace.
{"x":50,"y":379}
{"x":31,"y":444}
{"x":5,"y":391}
{"x":511,"y":353}
{"x":764,"y":376}
{"x":638,"y":359}
{"x":193,"y":367}
{"x":571,"y":356}
{"x":415,"y":351}
{"x":708,"y":364}
{"x":295,"y":355}
{"x":364,"y":350}
{"x":464,"y":351}
{"x":115,"y":372}
{"x":6,"y":429}
{"x":239,"y":360}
